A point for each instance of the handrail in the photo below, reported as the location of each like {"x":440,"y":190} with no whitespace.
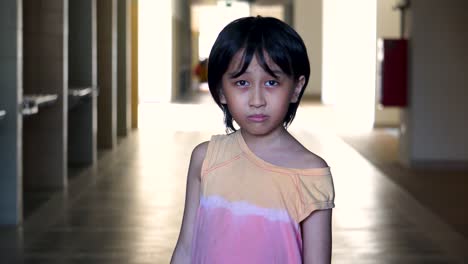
{"x":80,"y":92}
{"x":77,"y":95}
{"x":32,"y":102}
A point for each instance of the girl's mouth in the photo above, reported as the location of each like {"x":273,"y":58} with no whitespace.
{"x":257,"y":118}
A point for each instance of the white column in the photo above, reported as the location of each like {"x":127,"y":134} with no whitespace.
{"x":349,"y":61}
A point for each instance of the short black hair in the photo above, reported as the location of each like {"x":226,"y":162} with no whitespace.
{"x":257,"y":36}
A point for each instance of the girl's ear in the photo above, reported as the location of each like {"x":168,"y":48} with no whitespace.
{"x":297,"y":89}
{"x":222,"y":98}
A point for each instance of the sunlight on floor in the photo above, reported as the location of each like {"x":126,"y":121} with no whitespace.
{"x":207,"y":116}
{"x":181,"y":117}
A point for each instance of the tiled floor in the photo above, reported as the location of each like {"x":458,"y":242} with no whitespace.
{"x":128,"y":208}
{"x":443,"y":191}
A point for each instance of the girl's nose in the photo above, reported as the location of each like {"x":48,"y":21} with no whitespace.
{"x":257,"y":97}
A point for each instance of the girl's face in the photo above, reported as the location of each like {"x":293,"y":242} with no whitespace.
{"x":258,"y":101}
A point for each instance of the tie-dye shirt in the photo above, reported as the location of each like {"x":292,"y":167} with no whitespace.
{"x":250,"y":210}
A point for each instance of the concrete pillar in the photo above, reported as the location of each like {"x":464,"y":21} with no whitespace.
{"x":308,"y":22}
{"x":82,"y":123}
{"x":11,"y":75}
{"x":289,"y":13}
{"x":182,"y":59}
{"x":46,"y":72}
{"x":107,"y":72}
{"x":124,"y":67}
{"x":134,"y":59}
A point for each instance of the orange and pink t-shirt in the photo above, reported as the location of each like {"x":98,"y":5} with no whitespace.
{"x":250,"y":210}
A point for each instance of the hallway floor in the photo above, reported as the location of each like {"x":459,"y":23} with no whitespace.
{"x":128,"y":208}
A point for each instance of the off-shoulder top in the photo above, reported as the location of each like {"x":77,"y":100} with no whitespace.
{"x":250,"y":210}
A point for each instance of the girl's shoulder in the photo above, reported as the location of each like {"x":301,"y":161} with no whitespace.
{"x":303,"y":158}
{"x":312,"y":160}
{"x":200,"y":149}
{"x":199,"y":154}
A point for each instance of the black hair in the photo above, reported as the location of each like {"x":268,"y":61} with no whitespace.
{"x":258,"y":36}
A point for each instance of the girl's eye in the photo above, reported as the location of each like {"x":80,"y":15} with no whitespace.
{"x":271,"y":83}
{"x":242,"y":83}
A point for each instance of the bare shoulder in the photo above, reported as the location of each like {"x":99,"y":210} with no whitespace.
{"x":196,"y":161}
{"x":199,"y":153}
{"x":300,"y":157}
{"x":314,"y":160}
{"x":309,"y":159}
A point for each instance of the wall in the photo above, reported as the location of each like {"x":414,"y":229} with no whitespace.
{"x":307,"y":17}
{"x":271,"y":11}
{"x":436,"y":120}
{"x":388,"y":26}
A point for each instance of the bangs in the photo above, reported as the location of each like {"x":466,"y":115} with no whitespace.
{"x":260,"y":43}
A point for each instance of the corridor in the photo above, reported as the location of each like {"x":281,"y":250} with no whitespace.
{"x":128,"y":208}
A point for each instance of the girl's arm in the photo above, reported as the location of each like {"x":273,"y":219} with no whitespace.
{"x":316,"y":237}
{"x":192,"y":198}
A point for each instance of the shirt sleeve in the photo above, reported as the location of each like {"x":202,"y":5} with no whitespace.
{"x":316,"y":193}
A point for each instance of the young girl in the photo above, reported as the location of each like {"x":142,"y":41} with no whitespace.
{"x":256,"y":195}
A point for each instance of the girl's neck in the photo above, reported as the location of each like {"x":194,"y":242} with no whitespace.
{"x":274,"y":139}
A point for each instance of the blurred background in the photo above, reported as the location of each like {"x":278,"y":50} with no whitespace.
{"x":102,"y":101}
